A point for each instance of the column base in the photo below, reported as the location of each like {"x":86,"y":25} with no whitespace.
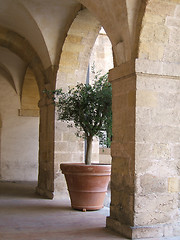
{"x":45,"y":193}
{"x":141,"y":232}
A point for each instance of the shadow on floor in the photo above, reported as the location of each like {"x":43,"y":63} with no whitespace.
{"x":27,"y":216}
{"x":18,"y":189}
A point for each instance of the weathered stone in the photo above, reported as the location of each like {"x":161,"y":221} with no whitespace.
{"x":155,"y":33}
{"x":122,"y":210}
{"x":174,"y":184}
{"x":154,"y":18}
{"x":147,"y":232}
{"x":69,"y":58}
{"x":176,"y":229}
{"x":143,"y":115}
{"x":161,"y":8}
{"x":155,"y":208}
{"x":146,"y":102}
{"x":160,"y":134}
{"x":164,"y":116}
{"x":28,"y":112}
{"x":168,"y":231}
{"x":156,"y":83}
{"x":105,"y":155}
{"x":152,"y":184}
{"x":142,"y":165}
{"x":146,"y":98}
{"x":155,"y":121}
{"x":61,"y":146}
{"x":171,"y":54}
{"x":173,"y":22}
{"x":177,"y":11}
{"x":174,"y":36}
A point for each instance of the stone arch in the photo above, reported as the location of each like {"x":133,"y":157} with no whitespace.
{"x":16,"y":43}
{"x":77,"y":49}
{"x":101,"y":55}
{"x":4,"y":71}
{"x":159,"y":32}
{"x":45,"y":79}
{"x":29,"y":96}
{"x":119,"y":34}
{"x":73,"y":68}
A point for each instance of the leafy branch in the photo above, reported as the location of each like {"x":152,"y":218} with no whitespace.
{"x":89,"y":108}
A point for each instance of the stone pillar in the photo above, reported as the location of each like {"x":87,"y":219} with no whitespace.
{"x":46,"y":148}
{"x":0,"y":144}
{"x":145,"y":150}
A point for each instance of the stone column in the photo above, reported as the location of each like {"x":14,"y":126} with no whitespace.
{"x":46,"y":148}
{"x":0,"y":143}
{"x":145,"y":150}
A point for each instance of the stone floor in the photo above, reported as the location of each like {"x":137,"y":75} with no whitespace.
{"x":26,"y":216}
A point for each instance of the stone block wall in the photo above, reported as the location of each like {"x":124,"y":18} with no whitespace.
{"x":105,"y":155}
{"x":19,"y":138}
{"x":123,"y":150}
{"x":157,"y":120}
{"x":157,"y":151}
{"x":157,"y":144}
{"x":145,"y":150}
{"x":156,"y":33}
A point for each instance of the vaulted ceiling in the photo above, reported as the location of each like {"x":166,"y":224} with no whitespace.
{"x":35,"y":30}
{"x":43,"y":24}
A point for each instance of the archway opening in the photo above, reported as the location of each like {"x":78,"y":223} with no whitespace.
{"x":86,"y":45}
{"x":19,"y":135}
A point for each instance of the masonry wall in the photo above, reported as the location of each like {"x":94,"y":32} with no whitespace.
{"x":158,"y":107}
{"x":158,"y":149}
{"x":123,"y":150}
{"x":19,"y":138}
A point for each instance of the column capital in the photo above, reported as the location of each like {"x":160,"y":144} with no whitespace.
{"x":144,"y":66}
{"x":124,"y":70}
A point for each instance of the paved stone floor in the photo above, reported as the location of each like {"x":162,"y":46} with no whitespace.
{"x":26,"y":216}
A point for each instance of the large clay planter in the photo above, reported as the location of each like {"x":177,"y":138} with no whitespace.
{"x":87,"y":184}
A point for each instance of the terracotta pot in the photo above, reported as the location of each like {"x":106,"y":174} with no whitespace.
{"x":87,"y":184}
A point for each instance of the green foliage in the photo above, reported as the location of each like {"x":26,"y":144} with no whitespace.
{"x":88,"y":108}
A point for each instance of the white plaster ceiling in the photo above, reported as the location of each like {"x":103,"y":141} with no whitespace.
{"x":43,"y":23}
{"x":12,"y":68}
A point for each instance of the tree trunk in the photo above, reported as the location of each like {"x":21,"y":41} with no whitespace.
{"x":89,"y":150}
